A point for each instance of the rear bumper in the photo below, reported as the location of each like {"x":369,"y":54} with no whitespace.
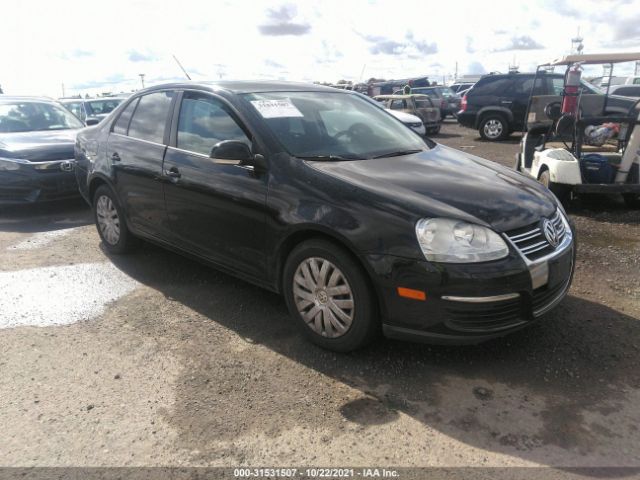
{"x":466,"y":303}
{"x":467,"y":119}
{"x":38,"y":182}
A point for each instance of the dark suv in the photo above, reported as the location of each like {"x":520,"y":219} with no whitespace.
{"x":497,"y":104}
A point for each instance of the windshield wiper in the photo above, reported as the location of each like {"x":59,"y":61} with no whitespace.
{"x":331,"y":157}
{"x":398,"y":153}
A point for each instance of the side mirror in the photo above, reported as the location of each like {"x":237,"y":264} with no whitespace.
{"x":231,"y":150}
{"x":89,"y":122}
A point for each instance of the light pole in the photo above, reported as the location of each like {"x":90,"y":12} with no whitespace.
{"x":141,"y":75}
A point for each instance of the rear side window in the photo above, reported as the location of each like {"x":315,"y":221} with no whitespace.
{"x":75,"y":108}
{"x":122,"y":125}
{"x":522,"y":86}
{"x":205,"y":121}
{"x":150,"y":117}
{"x":494,"y":86}
{"x":629,"y":91}
{"x":398,"y":104}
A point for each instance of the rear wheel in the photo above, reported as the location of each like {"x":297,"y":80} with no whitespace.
{"x":329,"y":296}
{"x":559,"y":190}
{"x":110,"y":221}
{"x":435,"y":130}
{"x":633,"y":199}
{"x":494,"y":127}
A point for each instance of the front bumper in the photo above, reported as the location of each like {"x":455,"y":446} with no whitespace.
{"x":469,"y":303}
{"x":31,"y":182}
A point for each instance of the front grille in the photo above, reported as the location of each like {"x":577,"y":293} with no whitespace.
{"x":531,"y":240}
{"x":484,"y":317}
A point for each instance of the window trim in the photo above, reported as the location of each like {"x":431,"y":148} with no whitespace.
{"x":173,"y":135}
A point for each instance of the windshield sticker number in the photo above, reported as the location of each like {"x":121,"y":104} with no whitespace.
{"x":276,"y":108}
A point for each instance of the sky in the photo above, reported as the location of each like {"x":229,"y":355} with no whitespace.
{"x":99,"y":47}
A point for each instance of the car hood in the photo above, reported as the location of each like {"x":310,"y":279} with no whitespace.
{"x":38,"y":146}
{"x":443,"y":182}
{"x":405,"y":117}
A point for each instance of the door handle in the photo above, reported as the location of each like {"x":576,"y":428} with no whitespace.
{"x":115,"y":157}
{"x":506,"y":101}
{"x":173,"y":172}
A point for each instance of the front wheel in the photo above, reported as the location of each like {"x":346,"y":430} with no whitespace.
{"x":493,"y":128}
{"x":110,"y":221}
{"x":329,"y":296}
{"x":559,"y":190}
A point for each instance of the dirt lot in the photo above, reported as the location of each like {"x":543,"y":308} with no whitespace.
{"x":152,"y":359}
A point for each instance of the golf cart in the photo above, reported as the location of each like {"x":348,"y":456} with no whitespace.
{"x":579,"y":144}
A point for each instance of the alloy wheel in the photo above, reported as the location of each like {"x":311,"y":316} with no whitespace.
{"x":108,"y":220}
{"x":493,"y":128}
{"x":323,"y":297}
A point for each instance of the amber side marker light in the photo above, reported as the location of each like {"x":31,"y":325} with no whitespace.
{"x":413,"y":294}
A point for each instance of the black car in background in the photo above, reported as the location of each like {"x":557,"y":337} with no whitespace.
{"x":497,"y":104}
{"x":37,"y":137}
{"x":323,"y":196}
{"x":92,"y":110}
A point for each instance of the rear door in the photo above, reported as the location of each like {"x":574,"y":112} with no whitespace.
{"x":136,"y":148}
{"x":216,"y":208}
{"x":518,"y":97}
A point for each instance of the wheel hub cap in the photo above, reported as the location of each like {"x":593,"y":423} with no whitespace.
{"x":323,"y":297}
{"x":108,"y":220}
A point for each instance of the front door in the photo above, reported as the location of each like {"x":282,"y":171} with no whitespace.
{"x":216,"y":208}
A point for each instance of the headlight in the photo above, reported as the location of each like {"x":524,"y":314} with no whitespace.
{"x":9,"y":164}
{"x":453,"y":241}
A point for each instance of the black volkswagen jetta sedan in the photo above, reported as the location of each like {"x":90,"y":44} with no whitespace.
{"x":316,"y":193}
{"x":37,"y":137}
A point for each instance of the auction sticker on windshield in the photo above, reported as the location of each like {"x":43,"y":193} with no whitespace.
{"x":276,"y":108}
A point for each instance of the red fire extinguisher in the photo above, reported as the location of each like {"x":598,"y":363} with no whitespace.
{"x":571,"y":91}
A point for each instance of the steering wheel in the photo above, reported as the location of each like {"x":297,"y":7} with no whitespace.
{"x":356,"y":130}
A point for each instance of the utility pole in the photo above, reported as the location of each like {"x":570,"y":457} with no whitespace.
{"x":63,"y":95}
{"x":635,"y":72}
{"x":576,"y":43}
{"x":141,"y":75}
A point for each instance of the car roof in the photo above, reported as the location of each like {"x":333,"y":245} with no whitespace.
{"x":25,"y":99}
{"x":393,"y":97}
{"x":248,"y":86}
{"x":595,"y":58}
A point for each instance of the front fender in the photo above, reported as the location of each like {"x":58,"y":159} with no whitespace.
{"x":563,"y":166}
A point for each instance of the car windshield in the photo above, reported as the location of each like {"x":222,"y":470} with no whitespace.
{"x":35,"y":116}
{"x":333,"y":126}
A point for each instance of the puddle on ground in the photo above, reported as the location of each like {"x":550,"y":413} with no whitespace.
{"x":60,"y":295}
{"x":40,"y":239}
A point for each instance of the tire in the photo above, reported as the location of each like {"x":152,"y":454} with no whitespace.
{"x":110,"y":221}
{"x":559,"y":190}
{"x":632,"y":200}
{"x":341,"y":328}
{"x":434,"y":130}
{"x":493,"y":127}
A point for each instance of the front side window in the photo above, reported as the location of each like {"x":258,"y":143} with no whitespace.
{"x":334,"y":125}
{"x":75,"y":108}
{"x":398,"y":104}
{"x":150,"y":117}
{"x":35,"y":116}
{"x":205,"y":121}
{"x":493,"y":86}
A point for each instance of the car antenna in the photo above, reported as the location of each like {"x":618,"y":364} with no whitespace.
{"x":181,"y":67}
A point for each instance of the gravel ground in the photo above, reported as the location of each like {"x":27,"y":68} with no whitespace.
{"x":150,"y":359}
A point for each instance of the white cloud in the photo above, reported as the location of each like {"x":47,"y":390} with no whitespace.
{"x":94,"y":48}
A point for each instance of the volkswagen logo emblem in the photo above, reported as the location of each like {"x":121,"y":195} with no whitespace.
{"x":550,"y":233}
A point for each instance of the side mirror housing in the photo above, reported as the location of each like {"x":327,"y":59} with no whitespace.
{"x":231,"y":150}
{"x":91,"y":121}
